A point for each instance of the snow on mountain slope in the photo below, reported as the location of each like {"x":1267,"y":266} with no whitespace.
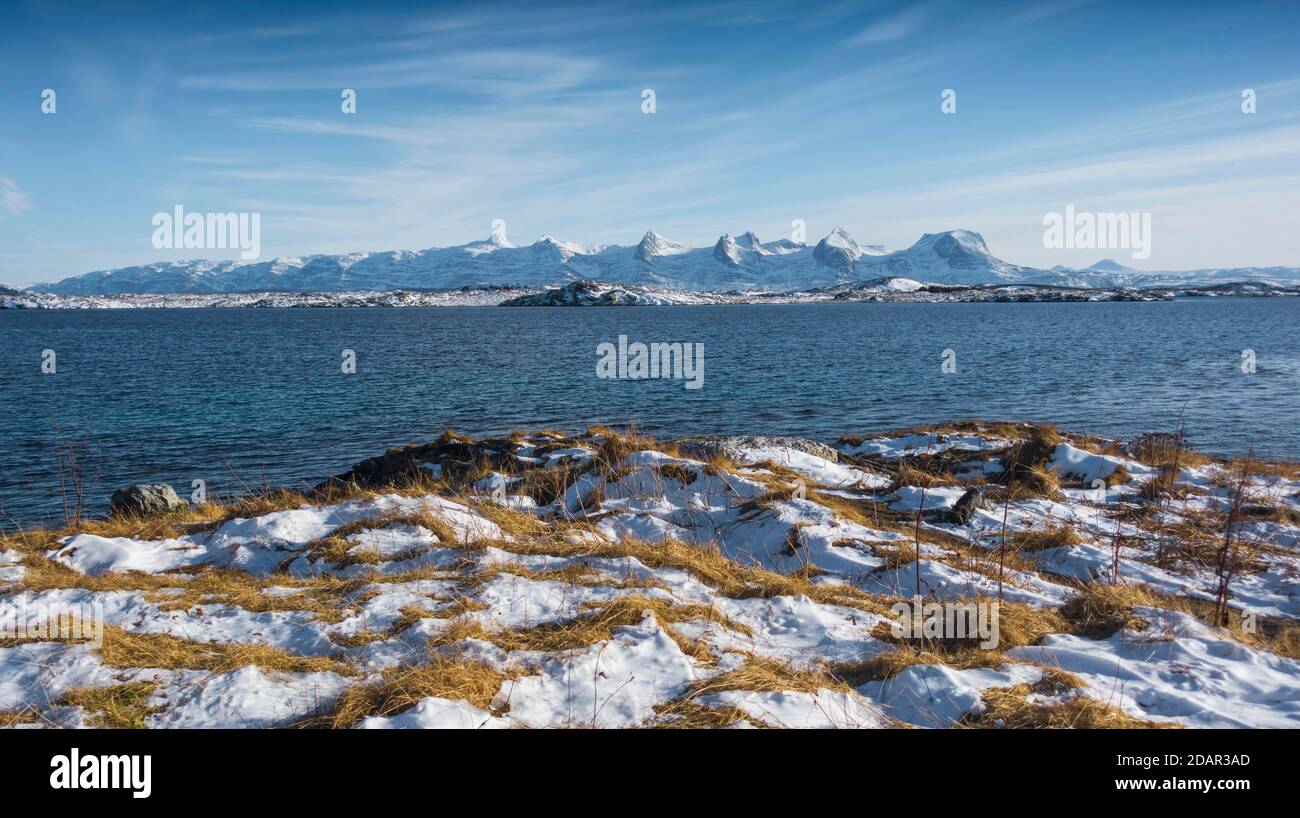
{"x":742,"y":262}
{"x":732,"y":263}
{"x":1097,"y":276}
{"x":954,"y":257}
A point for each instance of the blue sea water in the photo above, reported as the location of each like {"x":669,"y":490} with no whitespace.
{"x":251,"y":397}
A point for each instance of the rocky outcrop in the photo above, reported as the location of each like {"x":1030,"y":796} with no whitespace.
{"x":144,"y":499}
{"x":449,"y":457}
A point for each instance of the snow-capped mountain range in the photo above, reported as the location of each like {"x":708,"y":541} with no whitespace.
{"x":733,"y":263}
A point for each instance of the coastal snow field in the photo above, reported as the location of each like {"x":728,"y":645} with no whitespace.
{"x":605,"y":580}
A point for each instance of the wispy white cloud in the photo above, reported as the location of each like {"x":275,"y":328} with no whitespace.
{"x":13,"y":199}
{"x":1048,"y":9}
{"x":892,"y":27}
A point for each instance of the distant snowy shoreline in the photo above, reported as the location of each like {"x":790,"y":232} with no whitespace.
{"x":590,"y":293}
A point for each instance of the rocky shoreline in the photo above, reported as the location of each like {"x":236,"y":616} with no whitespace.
{"x":703,"y":582}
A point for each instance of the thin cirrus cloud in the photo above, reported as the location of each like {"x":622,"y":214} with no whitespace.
{"x":497,"y":71}
{"x":12,"y":199}
{"x":890,"y":27}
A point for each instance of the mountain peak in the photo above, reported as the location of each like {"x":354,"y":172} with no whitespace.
{"x":727,"y":250}
{"x":653,"y":245}
{"x":749,"y":241}
{"x":838,"y":251}
{"x":839,"y":237}
{"x":496,"y":240}
{"x":1110,"y":265}
{"x":562,"y":251}
{"x":966,"y":239}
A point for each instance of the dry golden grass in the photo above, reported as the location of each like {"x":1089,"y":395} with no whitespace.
{"x":546,"y":486}
{"x":360,"y":638}
{"x":336,"y":549}
{"x":889,"y":664}
{"x":1189,"y":547}
{"x":1119,"y":477}
{"x":1161,"y":484}
{"x":895,"y":554}
{"x":1043,"y":539}
{"x":922,"y":473}
{"x":613,"y":446}
{"x":121,"y":707}
{"x":1276,"y":634}
{"x":23,"y":715}
{"x":1018,"y":625}
{"x":1009,"y":708}
{"x":1267,"y":468}
{"x":1099,"y":610}
{"x":720,"y":465}
{"x":1279,"y":512}
{"x":595,"y":624}
{"x":167,"y":525}
{"x":1025,"y":464}
{"x":459,"y":606}
{"x":1166,"y":452}
{"x":781,"y":483}
{"x":473,"y":682}
{"x":141,"y":650}
{"x":682,"y":714}
{"x":676,"y":471}
{"x":1281,"y":636}
{"x":324,"y":597}
{"x":576,"y":573}
{"x":881,"y":517}
{"x":709,"y":566}
{"x":513,"y":523}
{"x":1038,"y":481}
{"x":450,"y":435}
{"x":44,"y":574}
{"x":764,"y":675}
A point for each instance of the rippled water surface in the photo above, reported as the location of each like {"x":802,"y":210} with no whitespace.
{"x":257,"y":396}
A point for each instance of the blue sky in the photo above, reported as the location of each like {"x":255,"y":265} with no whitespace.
{"x":766,"y":112}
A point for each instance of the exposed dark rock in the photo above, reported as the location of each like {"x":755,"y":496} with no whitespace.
{"x":145,"y":499}
{"x":966,"y":505}
{"x":447,"y":458}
